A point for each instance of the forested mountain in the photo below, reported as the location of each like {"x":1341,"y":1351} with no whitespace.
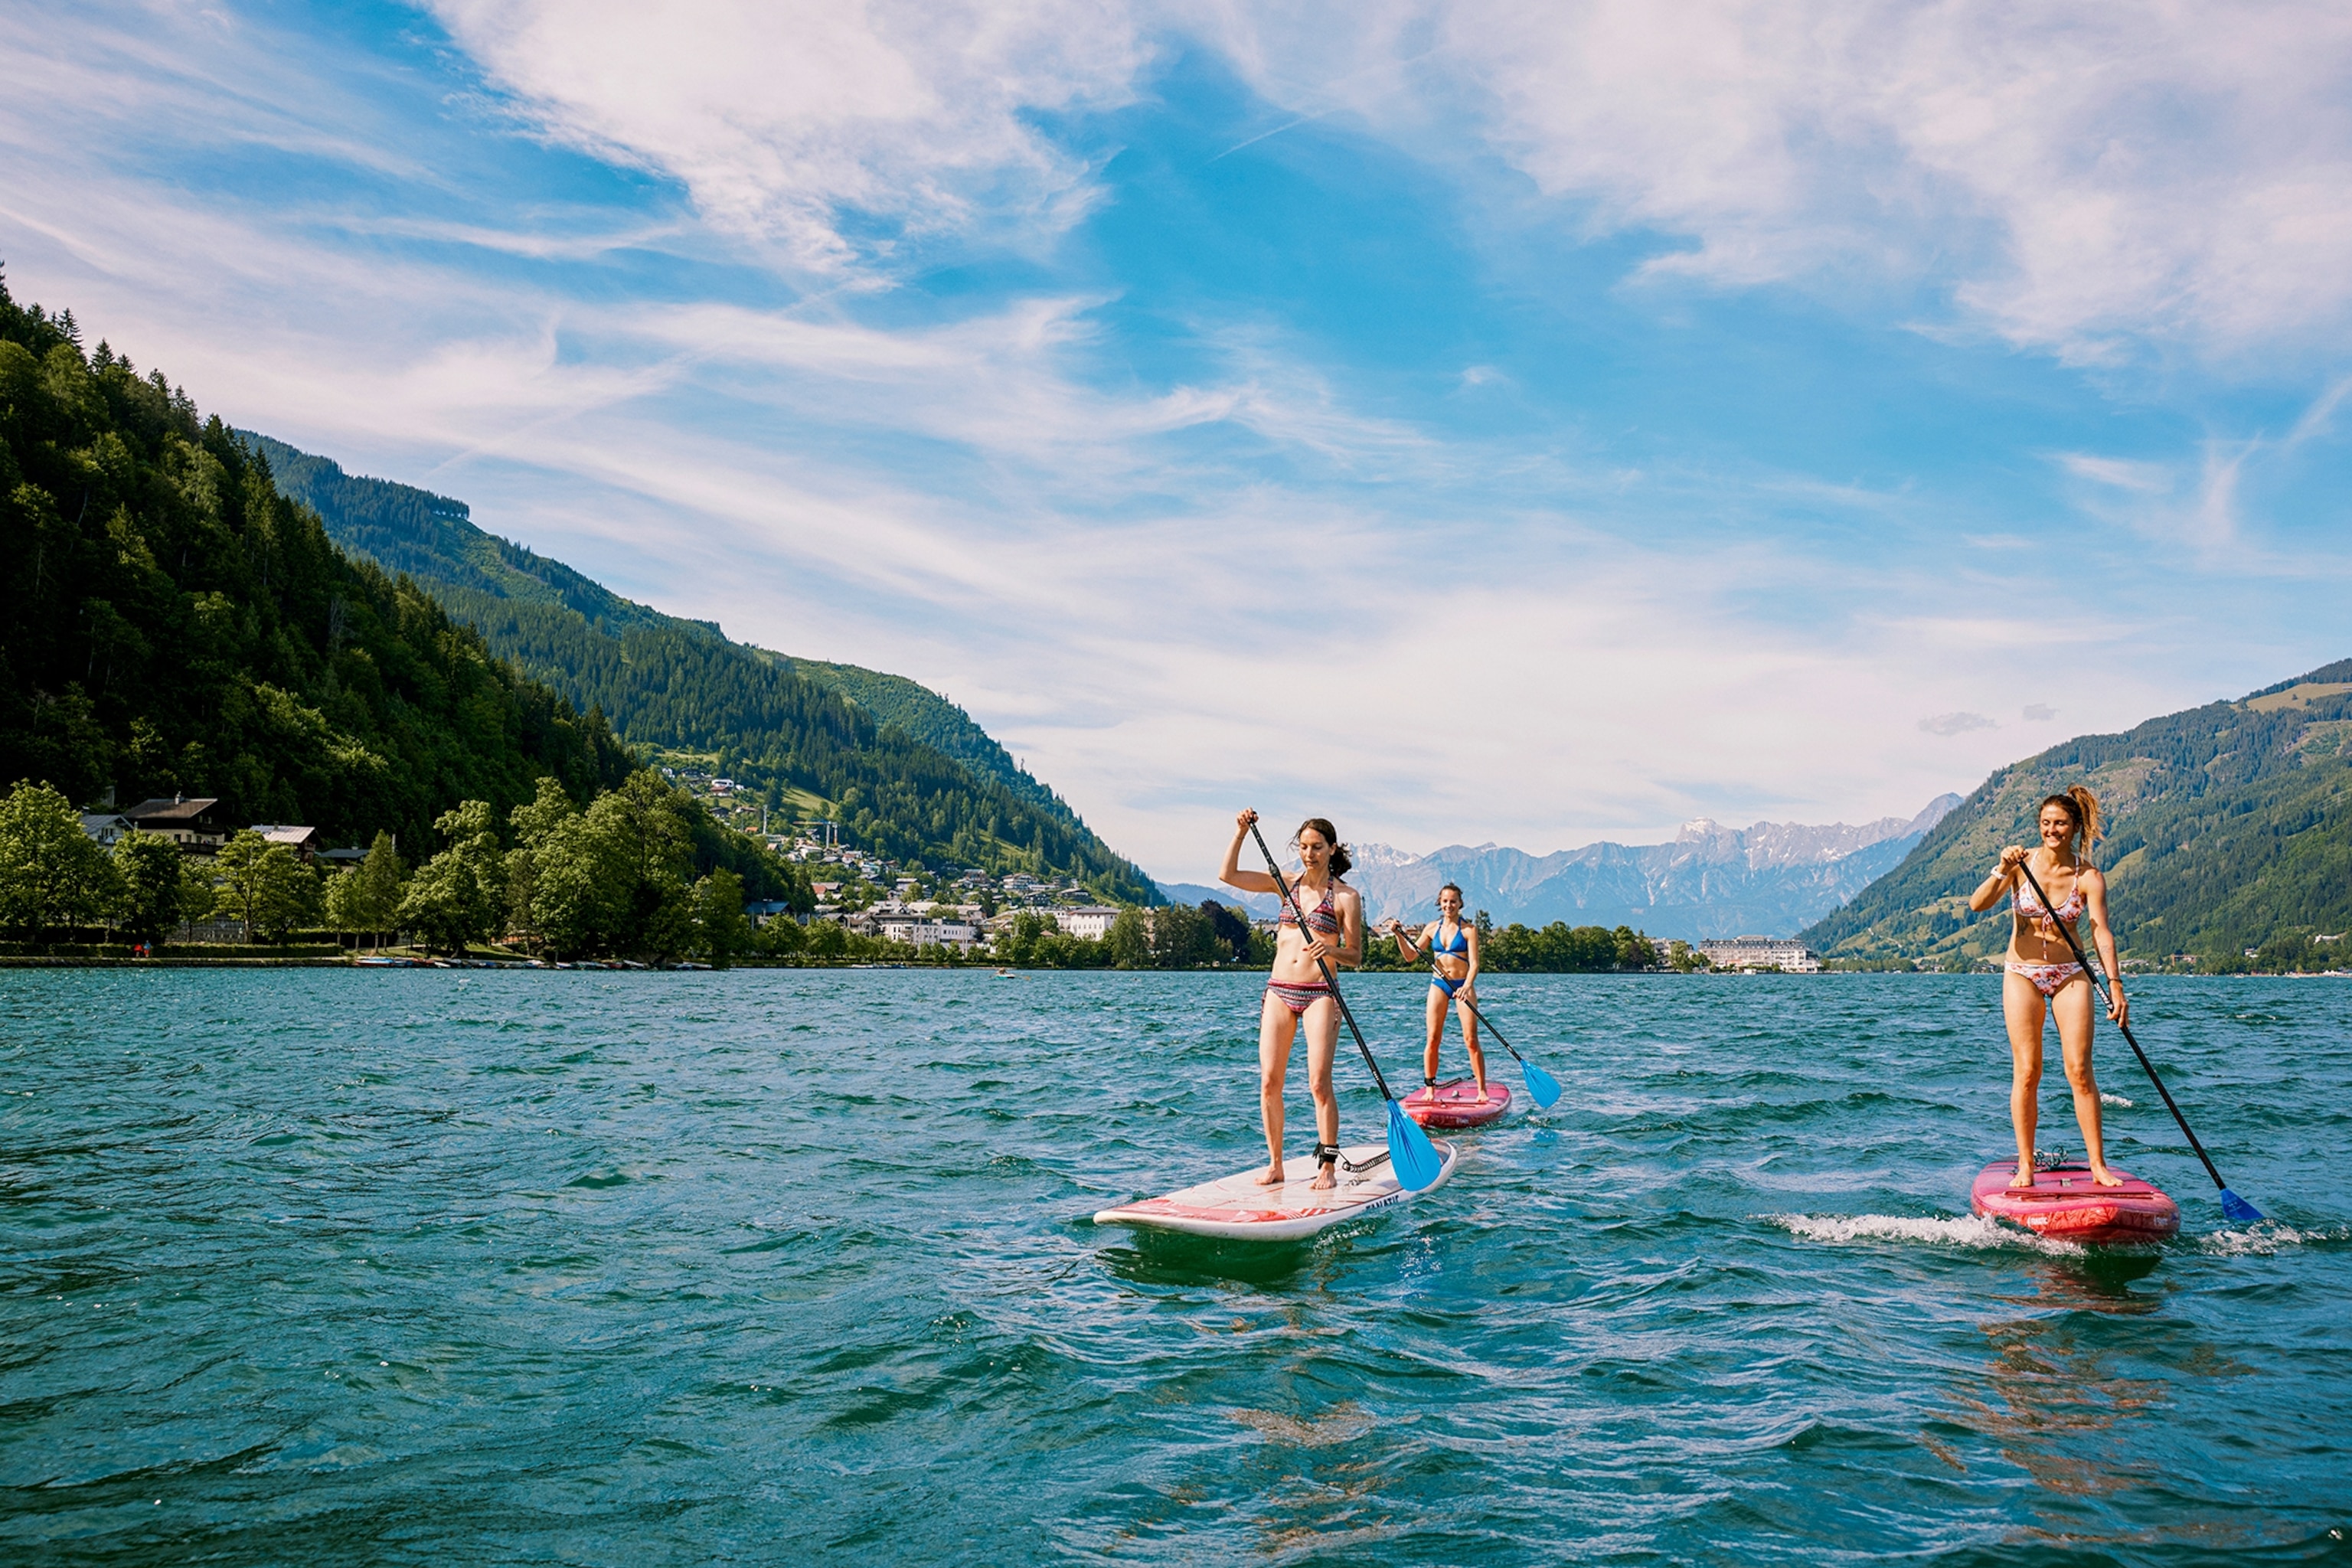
{"x":173,"y":624}
{"x":2231,"y":827}
{"x":906,"y":772}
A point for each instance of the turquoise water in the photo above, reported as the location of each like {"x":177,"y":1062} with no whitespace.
{"x":419,"y":1267}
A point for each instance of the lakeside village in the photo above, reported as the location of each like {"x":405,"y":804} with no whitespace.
{"x":174,"y":876}
{"x":170,"y":875}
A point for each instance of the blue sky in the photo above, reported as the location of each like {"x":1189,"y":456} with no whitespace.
{"x":1474,"y":421}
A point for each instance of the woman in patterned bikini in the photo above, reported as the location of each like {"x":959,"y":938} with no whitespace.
{"x":1297,"y":992}
{"x":2042,"y":978}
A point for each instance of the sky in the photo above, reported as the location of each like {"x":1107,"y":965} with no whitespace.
{"x":1472,"y":422}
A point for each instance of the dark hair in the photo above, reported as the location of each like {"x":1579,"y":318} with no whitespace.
{"x":2082,"y":808}
{"x":1452,"y":888}
{"x":1322,"y":825}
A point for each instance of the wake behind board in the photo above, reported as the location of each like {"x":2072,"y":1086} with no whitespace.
{"x":2065,"y":1206}
{"x":1236,"y":1209}
{"x":1457,"y":1103}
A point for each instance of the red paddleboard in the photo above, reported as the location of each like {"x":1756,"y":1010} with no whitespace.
{"x":1457,"y":1103}
{"x":2066,"y":1206}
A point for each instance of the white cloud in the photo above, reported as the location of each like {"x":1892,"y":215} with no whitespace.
{"x":2081,"y":176}
{"x":2080,"y":179}
{"x":1956,"y":723}
{"x":2142,"y":478}
{"x":785,"y":117}
{"x":1372,"y":620}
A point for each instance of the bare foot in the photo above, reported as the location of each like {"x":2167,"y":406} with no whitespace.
{"x":2102,"y":1177}
{"x":1273,"y":1176}
{"x":2024,"y":1177}
{"x":1482,"y":1090}
{"x":1324,"y":1180}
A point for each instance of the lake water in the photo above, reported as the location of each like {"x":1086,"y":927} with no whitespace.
{"x":330,"y":1267}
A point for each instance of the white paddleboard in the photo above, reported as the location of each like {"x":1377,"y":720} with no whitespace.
{"x":1236,"y":1209}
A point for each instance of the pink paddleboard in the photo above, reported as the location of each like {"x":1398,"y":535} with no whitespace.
{"x":2064,"y":1204}
{"x":1236,"y":1208}
{"x":1457,"y":1103}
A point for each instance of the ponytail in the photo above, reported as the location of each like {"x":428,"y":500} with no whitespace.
{"x":2086,"y":814}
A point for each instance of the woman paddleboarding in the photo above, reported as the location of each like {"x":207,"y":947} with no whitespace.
{"x":2041,"y":977}
{"x":1296,"y":993}
{"x":1451,"y":948}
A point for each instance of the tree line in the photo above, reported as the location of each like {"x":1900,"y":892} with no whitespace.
{"x":641,"y":873}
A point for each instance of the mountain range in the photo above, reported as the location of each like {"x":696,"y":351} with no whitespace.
{"x":903,"y":770}
{"x":2230,"y":829}
{"x":1765,"y":879}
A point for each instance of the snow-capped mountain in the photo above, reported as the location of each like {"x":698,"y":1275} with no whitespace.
{"x":1771,"y":879}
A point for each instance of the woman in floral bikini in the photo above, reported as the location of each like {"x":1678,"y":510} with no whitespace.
{"x":1297,"y":992}
{"x":2042,"y":978}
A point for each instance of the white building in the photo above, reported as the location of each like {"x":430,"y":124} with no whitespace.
{"x":1785,"y":953}
{"x":921,"y":931}
{"x":1093,"y":922}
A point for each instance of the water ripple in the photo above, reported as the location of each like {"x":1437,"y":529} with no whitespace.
{"x":357,"y":1267}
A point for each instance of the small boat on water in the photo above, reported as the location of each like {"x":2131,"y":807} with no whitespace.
{"x":2065,"y":1204}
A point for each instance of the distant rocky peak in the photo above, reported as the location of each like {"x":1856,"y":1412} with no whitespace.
{"x":1935,"y":812}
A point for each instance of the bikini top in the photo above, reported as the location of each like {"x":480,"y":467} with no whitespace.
{"x":1459,"y":946}
{"x":2070,"y":909}
{"x":1324,"y":917}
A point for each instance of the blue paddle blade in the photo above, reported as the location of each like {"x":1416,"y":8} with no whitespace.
{"x":1542,"y":1087}
{"x":1411,"y":1154}
{"x":2238,"y":1209}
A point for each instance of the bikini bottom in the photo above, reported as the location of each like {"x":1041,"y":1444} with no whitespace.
{"x":2047,"y":978}
{"x":1298,"y":999}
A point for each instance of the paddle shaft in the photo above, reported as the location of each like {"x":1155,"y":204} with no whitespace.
{"x":1491,"y":1029}
{"x":2098,"y":985}
{"x":1329,"y":979}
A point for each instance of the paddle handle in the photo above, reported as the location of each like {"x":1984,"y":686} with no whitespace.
{"x":2099,"y":985}
{"x":1329,"y":979}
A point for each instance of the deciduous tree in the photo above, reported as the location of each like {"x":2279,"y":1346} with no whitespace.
{"x":266,"y":886}
{"x":51,"y":873}
{"x":157,"y":887}
{"x":458,"y":896}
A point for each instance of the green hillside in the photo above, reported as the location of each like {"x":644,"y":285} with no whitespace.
{"x":175,"y":624}
{"x":2231,"y":827}
{"x":906,"y":772}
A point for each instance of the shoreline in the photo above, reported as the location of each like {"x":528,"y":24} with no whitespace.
{"x":307,"y":961}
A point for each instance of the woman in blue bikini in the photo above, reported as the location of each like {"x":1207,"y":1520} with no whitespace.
{"x":1452,"y":973}
{"x":1296,"y":991}
{"x":2040,"y":977}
